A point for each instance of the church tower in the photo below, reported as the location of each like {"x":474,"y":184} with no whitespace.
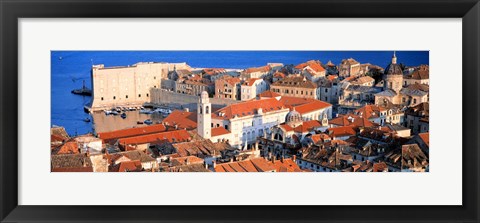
{"x":393,"y":76}
{"x":204,"y":116}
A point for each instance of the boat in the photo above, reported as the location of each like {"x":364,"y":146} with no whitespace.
{"x":148,"y":122}
{"x":82,"y":91}
{"x":123,"y":115}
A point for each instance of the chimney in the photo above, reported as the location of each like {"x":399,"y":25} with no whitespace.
{"x":231,"y":160}
{"x":273,"y":159}
{"x":205,"y":164}
{"x":256,"y":146}
{"x":281,"y":159}
{"x":214,"y":164}
{"x":294,"y":158}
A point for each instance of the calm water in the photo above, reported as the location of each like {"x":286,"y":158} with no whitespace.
{"x":69,"y":72}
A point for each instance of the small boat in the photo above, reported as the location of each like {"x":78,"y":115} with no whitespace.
{"x":87,"y":120}
{"x":148,"y":122}
{"x":60,"y":58}
{"x":82,"y":91}
{"x":123,"y":115}
{"x":113,"y":112}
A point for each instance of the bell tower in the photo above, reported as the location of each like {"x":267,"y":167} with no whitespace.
{"x":204,"y":116}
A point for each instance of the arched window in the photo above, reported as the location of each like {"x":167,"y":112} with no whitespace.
{"x":200,"y":109}
{"x":207,"y":110}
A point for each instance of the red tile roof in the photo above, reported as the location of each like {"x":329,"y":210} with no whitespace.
{"x":312,"y":106}
{"x":314,"y":65}
{"x":68,"y":148}
{"x":322,"y":137}
{"x":279,"y":74}
{"x":251,"y":165}
{"x":332,"y":77}
{"x":183,"y":119}
{"x":307,"y":126}
{"x":341,"y":131}
{"x":251,"y":81}
{"x":425,"y":137}
{"x":219,"y":131}
{"x":268,"y":94}
{"x":380,"y":167}
{"x":171,"y":136}
{"x":352,"y":120}
{"x":258,"y":69}
{"x":304,"y":105}
{"x":286,"y":165}
{"x":370,"y":111}
{"x":186,"y":160}
{"x":113,"y":135}
{"x":213,"y":71}
{"x":127,"y":166}
{"x":249,"y":108}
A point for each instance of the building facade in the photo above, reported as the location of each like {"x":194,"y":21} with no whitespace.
{"x":128,"y":85}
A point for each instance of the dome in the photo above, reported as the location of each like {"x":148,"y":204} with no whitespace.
{"x":393,"y":68}
{"x":293,"y":116}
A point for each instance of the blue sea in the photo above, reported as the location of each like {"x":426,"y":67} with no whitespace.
{"x":70,"y":68}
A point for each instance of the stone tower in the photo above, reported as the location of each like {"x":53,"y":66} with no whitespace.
{"x":393,"y":76}
{"x":204,"y":116}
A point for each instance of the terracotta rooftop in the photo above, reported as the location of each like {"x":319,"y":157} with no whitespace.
{"x":308,"y":126}
{"x":182,"y":119}
{"x":268,"y":94}
{"x":279,"y":74}
{"x":314,"y":65}
{"x":258,"y":69}
{"x":248,"y":108}
{"x":126,"y":166}
{"x":425,"y":138}
{"x":342,"y":131}
{"x":213,"y":71}
{"x":219,"y":131}
{"x":286,"y":165}
{"x":351,"y":120}
{"x":70,"y":147}
{"x":252,"y":165}
{"x":171,"y":136}
{"x":113,"y":135}
{"x":186,"y":160}
{"x":251,"y":81}
{"x":322,"y":137}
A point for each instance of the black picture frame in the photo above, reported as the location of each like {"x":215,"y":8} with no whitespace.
{"x":11,"y":11}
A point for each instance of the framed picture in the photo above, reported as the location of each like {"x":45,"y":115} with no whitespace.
{"x":269,"y":111}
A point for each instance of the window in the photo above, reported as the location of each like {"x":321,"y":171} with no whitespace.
{"x":414,"y":100}
{"x":101,"y":98}
{"x":154,"y":77}
{"x":147,"y":95}
{"x":139,"y":95}
{"x":326,"y":90}
{"x":114,"y":97}
{"x":207,"y":110}
{"x":126,"y":96}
